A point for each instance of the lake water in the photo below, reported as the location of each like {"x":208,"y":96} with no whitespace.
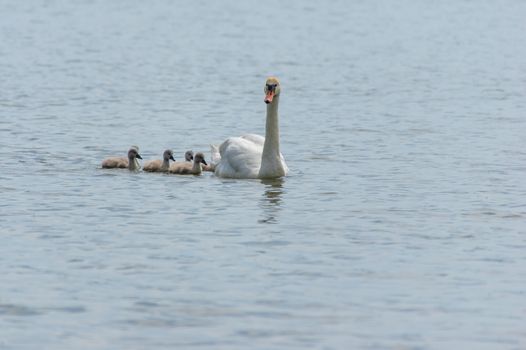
{"x":402,"y":224}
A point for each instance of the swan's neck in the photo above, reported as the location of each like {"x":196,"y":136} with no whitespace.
{"x":271,"y":165}
{"x":197,"y":169}
{"x":166,"y":164}
{"x":133,"y":164}
{"x":271,"y":146}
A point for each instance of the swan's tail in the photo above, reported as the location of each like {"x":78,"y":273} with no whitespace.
{"x":216,"y":157}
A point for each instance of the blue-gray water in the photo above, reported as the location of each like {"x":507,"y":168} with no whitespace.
{"x":401,"y":226}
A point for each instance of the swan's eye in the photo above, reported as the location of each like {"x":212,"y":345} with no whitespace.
{"x":271,"y":87}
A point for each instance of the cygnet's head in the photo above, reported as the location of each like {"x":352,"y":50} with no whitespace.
{"x":168,"y":155}
{"x":272,"y":89}
{"x":134,"y":153}
{"x":200,"y":158}
{"x":189,"y":156}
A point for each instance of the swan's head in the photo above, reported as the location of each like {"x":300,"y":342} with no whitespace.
{"x":134,"y":153}
{"x":200,"y":158}
{"x":168,"y":155}
{"x":272,"y":89}
{"x":189,"y":156}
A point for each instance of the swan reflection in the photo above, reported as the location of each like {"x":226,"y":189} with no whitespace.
{"x":271,"y":200}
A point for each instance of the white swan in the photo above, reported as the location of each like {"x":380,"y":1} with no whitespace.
{"x":253,"y":156}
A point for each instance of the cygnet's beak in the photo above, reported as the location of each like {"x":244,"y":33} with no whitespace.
{"x":172,"y":158}
{"x":269,"y":96}
{"x":138,"y":156}
{"x":203,"y":161}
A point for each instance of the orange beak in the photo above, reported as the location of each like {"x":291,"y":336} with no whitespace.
{"x":269,"y":96}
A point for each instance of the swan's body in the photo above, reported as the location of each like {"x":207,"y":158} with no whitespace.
{"x":130,"y":162}
{"x":159,"y":165}
{"x":253,"y":156}
{"x":209,"y":167}
{"x":187,"y":168}
{"x":115,"y":162}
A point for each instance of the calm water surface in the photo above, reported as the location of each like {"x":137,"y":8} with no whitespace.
{"x":401,"y":226}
